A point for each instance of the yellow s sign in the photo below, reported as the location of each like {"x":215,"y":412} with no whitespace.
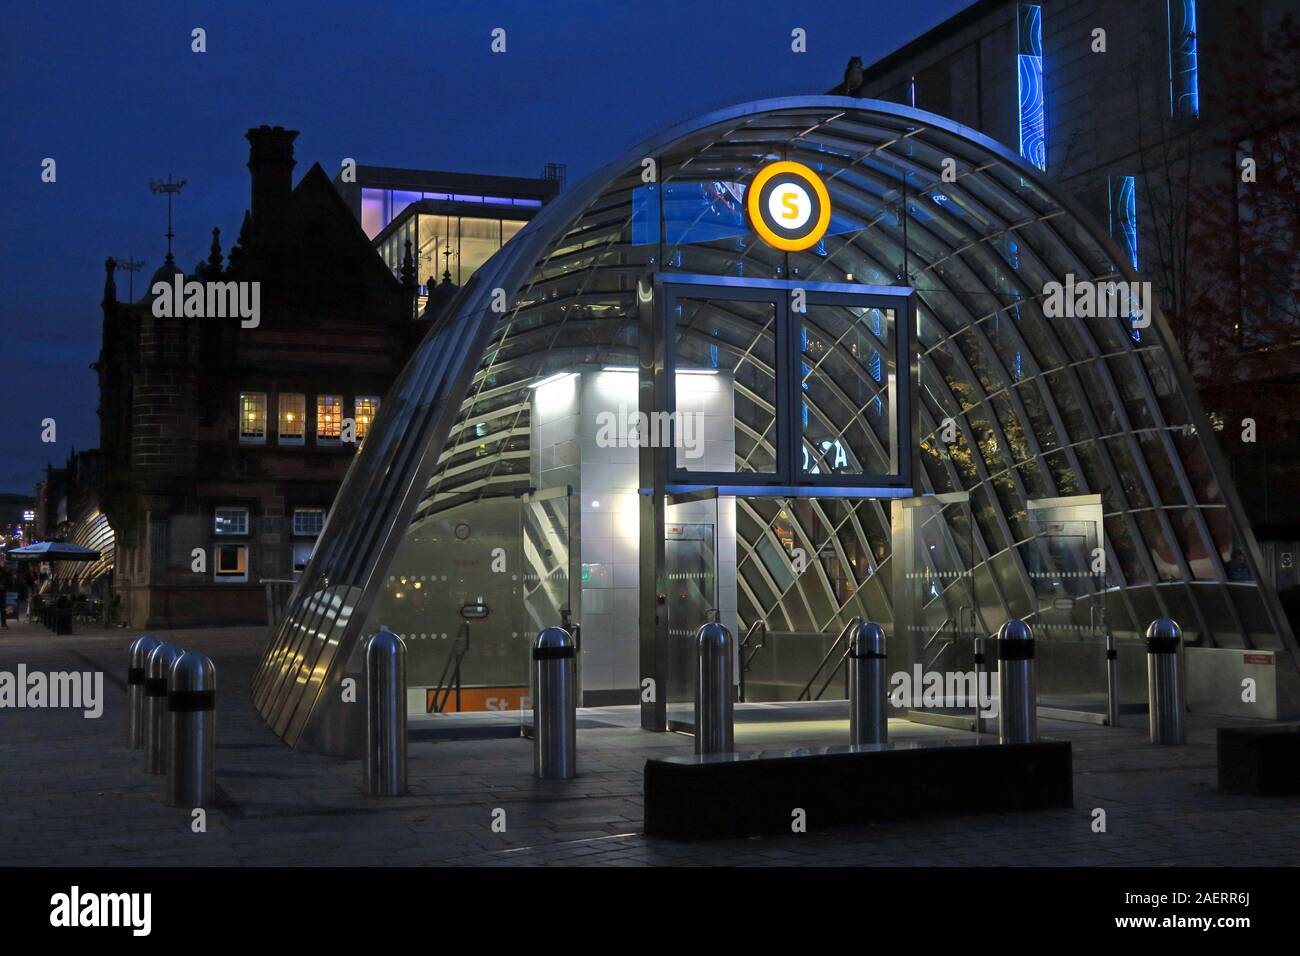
{"x":788,"y":206}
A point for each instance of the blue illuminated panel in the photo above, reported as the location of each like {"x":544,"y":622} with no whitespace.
{"x":1184,"y":85}
{"x":1123,"y":215}
{"x":1122,"y":204}
{"x":1029,"y":62}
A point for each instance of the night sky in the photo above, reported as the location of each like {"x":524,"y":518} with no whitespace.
{"x":114,"y":94}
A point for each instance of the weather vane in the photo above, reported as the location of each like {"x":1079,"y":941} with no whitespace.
{"x":171,"y":189}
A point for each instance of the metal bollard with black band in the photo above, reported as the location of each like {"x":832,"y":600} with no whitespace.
{"x":1165,"y":703}
{"x":1017,"y":684}
{"x":385,"y":766}
{"x":868,"y":685}
{"x":555,"y":705}
{"x":137,"y":663}
{"x":158,"y":672}
{"x":715,"y":726}
{"x":191,"y":710}
{"x":1112,"y":680}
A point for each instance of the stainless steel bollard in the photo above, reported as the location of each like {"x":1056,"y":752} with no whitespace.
{"x":1165,"y":705}
{"x":1112,"y":681}
{"x":137,"y":664}
{"x":385,"y":715}
{"x":191,"y":712}
{"x":156,"y":726}
{"x":868,"y":685}
{"x":983,"y":681}
{"x":555,"y":703}
{"x":715,"y":729}
{"x":1017,"y":684}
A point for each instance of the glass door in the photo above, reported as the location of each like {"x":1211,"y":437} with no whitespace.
{"x":1065,"y":561}
{"x":935,"y":675}
{"x":691,"y":572}
{"x":546,"y":577}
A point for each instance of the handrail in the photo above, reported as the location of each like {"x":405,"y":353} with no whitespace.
{"x":934,"y":635}
{"x":445,"y":686}
{"x":847,"y":630}
{"x":745,"y":662}
{"x":835,"y":670}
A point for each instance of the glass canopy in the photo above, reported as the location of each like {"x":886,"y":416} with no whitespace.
{"x":1013,"y":406}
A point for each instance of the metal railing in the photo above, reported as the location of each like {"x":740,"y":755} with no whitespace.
{"x":278,"y":591}
{"x":449,"y":681}
{"x":843,"y":639}
{"x":758,"y":627}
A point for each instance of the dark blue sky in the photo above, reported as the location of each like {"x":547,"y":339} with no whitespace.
{"x":113,"y":93}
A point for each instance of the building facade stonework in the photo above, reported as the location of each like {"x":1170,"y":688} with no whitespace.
{"x":224,"y":442}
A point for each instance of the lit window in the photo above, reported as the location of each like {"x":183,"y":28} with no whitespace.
{"x":367,"y":406}
{"x":231,"y":562}
{"x":329,"y":418}
{"x":293,"y":419}
{"x":230,"y":521}
{"x":252,"y":417}
{"x":308,"y":521}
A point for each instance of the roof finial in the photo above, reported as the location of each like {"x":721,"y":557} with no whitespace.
{"x":110,"y":285}
{"x":214,"y":254}
{"x":408,"y":267}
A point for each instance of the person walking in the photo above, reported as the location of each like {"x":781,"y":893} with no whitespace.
{"x":21,"y":585}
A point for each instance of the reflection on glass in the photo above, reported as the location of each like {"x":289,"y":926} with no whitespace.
{"x":847,"y":371}
{"x":726,"y":386}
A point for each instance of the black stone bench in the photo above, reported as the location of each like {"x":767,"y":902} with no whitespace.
{"x":1264,"y":761}
{"x":723,"y":795}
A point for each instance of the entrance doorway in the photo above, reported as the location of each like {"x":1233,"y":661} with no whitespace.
{"x":1065,"y":560}
{"x":771,"y":390}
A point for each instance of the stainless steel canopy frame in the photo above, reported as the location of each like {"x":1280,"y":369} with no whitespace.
{"x":1042,"y":407}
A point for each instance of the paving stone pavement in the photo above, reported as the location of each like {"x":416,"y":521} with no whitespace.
{"x":71,"y":793}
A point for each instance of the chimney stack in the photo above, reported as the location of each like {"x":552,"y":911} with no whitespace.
{"x":270,"y":160}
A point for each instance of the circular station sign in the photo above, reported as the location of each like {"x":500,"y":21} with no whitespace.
{"x":788,"y":206}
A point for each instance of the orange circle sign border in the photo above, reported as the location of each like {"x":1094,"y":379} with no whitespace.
{"x":757,"y":222}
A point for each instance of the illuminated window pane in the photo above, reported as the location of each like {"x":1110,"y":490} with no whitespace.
{"x":329,"y":417}
{"x":293,"y":418}
{"x":846,"y":372}
{"x":231,"y":562}
{"x":479,"y":239}
{"x":252,"y":417}
{"x":366,"y":407}
{"x":726,"y":386}
{"x":230,"y":521}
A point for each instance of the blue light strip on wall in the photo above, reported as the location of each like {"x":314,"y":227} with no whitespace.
{"x":1184,"y":84}
{"x":1029,"y":63}
{"x":1122,"y":203}
{"x":1123,"y":215}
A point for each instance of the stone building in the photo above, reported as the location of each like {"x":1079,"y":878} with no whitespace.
{"x":224,"y":439}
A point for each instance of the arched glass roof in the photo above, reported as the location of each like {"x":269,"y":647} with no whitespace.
{"x":1042,"y":407}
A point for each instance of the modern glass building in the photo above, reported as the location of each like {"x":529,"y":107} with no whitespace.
{"x":453,"y":222}
{"x":792,"y":364}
